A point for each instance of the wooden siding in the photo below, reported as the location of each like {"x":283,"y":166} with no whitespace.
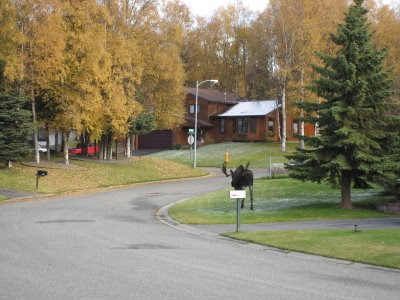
{"x":207,"y":108}
{"x":261,"y":135}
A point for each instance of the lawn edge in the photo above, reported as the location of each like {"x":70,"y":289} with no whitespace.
{"x":288,"y":250}
{"x":163,"y":216}
{"x":89,"y":191}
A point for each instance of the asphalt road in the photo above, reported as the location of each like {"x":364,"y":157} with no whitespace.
{"x":110,"y":245}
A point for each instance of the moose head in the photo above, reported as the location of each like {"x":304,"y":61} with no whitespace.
{"x":242,"y":177}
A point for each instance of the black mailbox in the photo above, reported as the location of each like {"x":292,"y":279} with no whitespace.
{"x":41,"y":173}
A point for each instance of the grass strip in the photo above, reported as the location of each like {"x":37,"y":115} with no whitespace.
{"x":240,"y":153}
{"x":94,"y":175}
{"x":374,"y":246}
{"x":2,"y":198}
{"x":279,"y":200}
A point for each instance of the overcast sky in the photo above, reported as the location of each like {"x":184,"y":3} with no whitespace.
{"x":206,"y":7}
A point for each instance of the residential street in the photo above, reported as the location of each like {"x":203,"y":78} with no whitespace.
{"x":110,"y":245}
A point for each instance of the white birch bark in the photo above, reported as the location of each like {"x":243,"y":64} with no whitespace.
{"x":128,"y":146}
{"x":65,"y":136}
{"x":283,"y":140}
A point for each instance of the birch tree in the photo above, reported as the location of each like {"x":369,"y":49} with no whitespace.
{"x":41,"y":48}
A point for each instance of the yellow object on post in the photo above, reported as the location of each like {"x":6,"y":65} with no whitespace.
{"x":226,"y":157}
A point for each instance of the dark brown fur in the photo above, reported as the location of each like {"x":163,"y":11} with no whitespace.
{"x":242,"y":177}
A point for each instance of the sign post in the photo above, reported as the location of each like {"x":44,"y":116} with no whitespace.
{"x":238,"y":195}
{"x":190,"y":141}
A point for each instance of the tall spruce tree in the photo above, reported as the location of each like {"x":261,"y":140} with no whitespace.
{"x":354,"y":121}
{"x":15,"y":124}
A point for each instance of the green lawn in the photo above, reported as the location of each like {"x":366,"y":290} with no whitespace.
{"x":240,"y":153}
{"x":3,"y":198}
{"x":279,"y":200}
{"x":23,"y":178}
{"x":377,"y":246}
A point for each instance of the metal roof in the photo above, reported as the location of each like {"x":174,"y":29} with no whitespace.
{"x":250,"y":108}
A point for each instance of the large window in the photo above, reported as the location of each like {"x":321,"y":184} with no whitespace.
{"x":271,"y":126}
{"x":42,"y":135}
{"x":253,"y":125}
{"x":295,"y":128}
{"x":241,"y":125}
{"x":191,"y":109}
{"x":222,"y":126}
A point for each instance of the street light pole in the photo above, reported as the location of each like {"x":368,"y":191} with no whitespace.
{"x":195,"y":119}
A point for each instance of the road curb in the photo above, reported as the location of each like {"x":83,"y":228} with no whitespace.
{"x":162,"y":216}
{"x":85,"y":192}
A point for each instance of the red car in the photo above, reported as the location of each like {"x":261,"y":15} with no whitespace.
{"x":92,"y":149}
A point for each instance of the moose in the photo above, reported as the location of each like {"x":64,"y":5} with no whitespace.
{"x":241,"y":177}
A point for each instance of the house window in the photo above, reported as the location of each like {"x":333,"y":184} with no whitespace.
{"x":295,"y":128}
{"x":253,"y":125}
{"x":42,"y":136}
{"x":191,"y":109}
{"x":271,"y":126}
{"x":222,"y":126}
{"x":241,"y":125}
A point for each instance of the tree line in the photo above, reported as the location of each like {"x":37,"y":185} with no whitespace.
{"x":93,"y":67}
{"x":269,"y":55}
{"x":99,"y":67}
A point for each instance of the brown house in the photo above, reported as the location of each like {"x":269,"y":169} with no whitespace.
{"x":209,"y":102}
{"x":222,"y":117}
{"x":255,"y":121}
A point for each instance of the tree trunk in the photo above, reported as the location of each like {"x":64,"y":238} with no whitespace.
{"x":56,"y":141}
{"x":87,"y":143}
{"x":109,"y":146}
{"x":283,"y":140}
{"x":103,"y":147}
{"x":133,"y":139}
{"x":278,"y":122}
{"x":9,"y":165}
{"x":82,"y":141}
{"x":65,"y":136}
{"x":345,"y":186}
{"x":116,"y":149}
{"x":35,"y":129}
{"x":301,"y":122}
{"x":128,"y":146}
{"x":48,"y":143}
{"x":62,"y":141}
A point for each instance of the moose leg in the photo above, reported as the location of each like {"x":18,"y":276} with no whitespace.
{"x":251,"y":197}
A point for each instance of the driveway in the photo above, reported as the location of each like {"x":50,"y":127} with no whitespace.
{"x":111,"y":246}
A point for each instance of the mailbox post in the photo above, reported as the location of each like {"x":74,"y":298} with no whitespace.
{"x":39,"y":173}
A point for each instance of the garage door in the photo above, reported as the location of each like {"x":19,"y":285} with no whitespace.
{"x":159,"y":139}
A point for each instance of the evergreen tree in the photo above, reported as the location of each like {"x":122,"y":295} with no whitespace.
{"x":355,"y":135}
{"x":143,"y":124}
{"x":15,"y":125}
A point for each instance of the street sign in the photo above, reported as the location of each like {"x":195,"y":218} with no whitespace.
{"x":191,"y":131}
{"x":190,"y":139}
{"x":237,"y":194}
